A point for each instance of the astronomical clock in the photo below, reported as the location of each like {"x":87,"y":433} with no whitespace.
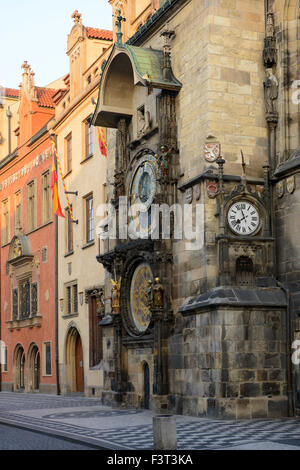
{"x":145,"y":170}
{"x":142,"y":188}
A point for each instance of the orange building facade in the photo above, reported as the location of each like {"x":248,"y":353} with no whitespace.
{"x":28,"y":248}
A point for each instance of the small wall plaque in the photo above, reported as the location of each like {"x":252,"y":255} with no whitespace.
{"x":290,"y":184}
{"x":212,"y":189}
{"x":197,"y":192}
{"x":279,"y":189}
{"x":188,"y":197}
{"x":212,"y":151}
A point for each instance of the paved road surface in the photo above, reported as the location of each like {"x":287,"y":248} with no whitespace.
{"x":89,"y":422}
{"x":12,"y":438}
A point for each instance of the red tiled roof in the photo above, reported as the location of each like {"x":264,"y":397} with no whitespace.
{"x":45,"y":97}
{"x":99,"y":33}
{"x":11,"y":92}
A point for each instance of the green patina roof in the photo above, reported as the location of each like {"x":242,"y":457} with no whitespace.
{"x":148,"y":65}
{"x":149,"y":62}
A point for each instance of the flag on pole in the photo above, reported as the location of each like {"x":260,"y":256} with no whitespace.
{"x":102,"y":141}
{"x":56,"y":204}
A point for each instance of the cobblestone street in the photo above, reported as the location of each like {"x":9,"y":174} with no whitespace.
{"x":88,"y":422}
{"x":20,"y":439}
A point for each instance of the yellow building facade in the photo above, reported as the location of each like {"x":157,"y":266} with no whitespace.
{"x":80,"y":280}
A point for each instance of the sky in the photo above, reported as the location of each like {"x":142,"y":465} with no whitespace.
{"x":36,"y":31}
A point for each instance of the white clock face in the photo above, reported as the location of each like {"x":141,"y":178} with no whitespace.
{"x":243,"y":218}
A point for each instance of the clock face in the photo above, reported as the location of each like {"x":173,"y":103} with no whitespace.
{"x":243,"y":218}
{"x":139,"y":311}
{"x":143,"y":182}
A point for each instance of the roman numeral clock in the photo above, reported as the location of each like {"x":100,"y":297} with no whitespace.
{"x":243,"y":218}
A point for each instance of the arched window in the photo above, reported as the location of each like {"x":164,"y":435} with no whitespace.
{"x":244,"y":271}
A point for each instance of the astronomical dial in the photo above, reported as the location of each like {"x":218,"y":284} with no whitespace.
{"x":139,"y":311}
{"x":143,"y":183}
{"x":243,"y":218}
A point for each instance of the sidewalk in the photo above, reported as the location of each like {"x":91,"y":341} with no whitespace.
{"x":86,"y":420}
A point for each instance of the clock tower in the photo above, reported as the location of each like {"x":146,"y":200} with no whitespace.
{"x":137,"y":99}
{"x":192,"y":328}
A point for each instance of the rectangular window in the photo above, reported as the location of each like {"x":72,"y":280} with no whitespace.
{"x":89,"y":218}
{"x":69,"y":231}
{"x":15,"y":304}
{"x":5,"y":222}
{"x":18,"y":211}
{"x":68,"y":153}
{"x":24,"y":299}
{"x":75,"y":298}
{"x":96,"y":306}
{"x":34,"y":299}
{"x":88,"y":139}
{"x":71,"y":299}
{"x":48,"y":365}
{"x":46,"y":198}
{"x":31,"y":203}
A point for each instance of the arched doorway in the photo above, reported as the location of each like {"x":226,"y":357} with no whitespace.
{"x":74,"y":362}
{"x":146,"y":386}
{"x":34,"y":368}
{"x":19,"y":368}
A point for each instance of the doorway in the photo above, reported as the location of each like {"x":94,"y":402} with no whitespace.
{"x":19,"y":369}
{"x":146,"y":386}
{"x":34,"y":372}
{"x":74,"y":362}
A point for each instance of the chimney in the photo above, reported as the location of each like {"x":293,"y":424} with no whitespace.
{"x":28,"y":85}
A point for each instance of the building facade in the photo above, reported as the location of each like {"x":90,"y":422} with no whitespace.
{"x":27,"y":248}
{"x":198,"y":100}
{"x":80,"y":285}
{"x":9,"y":103}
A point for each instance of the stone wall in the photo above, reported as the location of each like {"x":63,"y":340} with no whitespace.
{"x":230,"y":363}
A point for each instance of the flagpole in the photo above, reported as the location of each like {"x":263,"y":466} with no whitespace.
{"x":57,"y":162}
{"x":53,"y":137}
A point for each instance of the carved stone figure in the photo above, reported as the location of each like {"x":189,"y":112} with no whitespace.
{"x":163,"y":160}
{"x":271,"y":92}
{"x":119,"y":185}
{"x":115,"y":296}
{"x":144,"y":123}
{"x":149,"y":294}
{"x":122,"y":150}
{"x":270,"y":25}
{"x":158,"y":293}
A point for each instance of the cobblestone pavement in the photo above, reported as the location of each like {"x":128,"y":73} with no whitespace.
{"x":19,"y":439}
{"x":87,"y":420}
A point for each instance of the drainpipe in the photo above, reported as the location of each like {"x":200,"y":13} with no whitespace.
{"x":9,"y":116}
{"x":289,"y":371}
